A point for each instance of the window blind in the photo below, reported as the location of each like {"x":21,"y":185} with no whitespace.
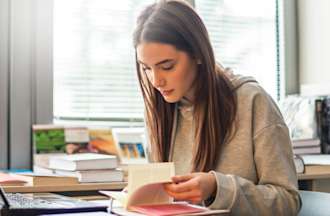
{"x":243,"y":35}
{"x":94,"y":66}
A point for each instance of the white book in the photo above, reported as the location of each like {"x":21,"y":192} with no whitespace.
{"x":299,"y":164}
{"x":305,"y":142}
{"x":88,"y":176}
{"x":307,"y":150}
{"x":83,"y":161}
{"x":42,"y":170}
{"x":317,"y":159}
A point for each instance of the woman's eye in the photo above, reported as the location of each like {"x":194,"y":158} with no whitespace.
{"x":168,"y":67}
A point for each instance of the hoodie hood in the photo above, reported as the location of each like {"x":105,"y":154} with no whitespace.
{"x":238,"y":80}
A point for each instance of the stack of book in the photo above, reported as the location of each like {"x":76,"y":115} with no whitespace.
{"x":306,"y":146}
{"x":303,"y":147}
{"x":87,"y":167}
{"x":300,"y":115}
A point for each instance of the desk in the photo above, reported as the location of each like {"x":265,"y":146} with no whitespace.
{"x":314,"y":182}
{"x":83,"y":189}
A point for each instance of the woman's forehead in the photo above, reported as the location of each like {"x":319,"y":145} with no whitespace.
{"x":152,"y":52}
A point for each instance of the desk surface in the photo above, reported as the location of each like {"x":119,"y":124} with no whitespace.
{"x":75,"y":187}
{"x":113,"y":185}
{"x":305,"y":176}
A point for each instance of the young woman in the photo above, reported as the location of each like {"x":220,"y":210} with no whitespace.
{"x":225,"y":135}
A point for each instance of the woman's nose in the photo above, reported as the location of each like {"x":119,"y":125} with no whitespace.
{"x":158,"y":81}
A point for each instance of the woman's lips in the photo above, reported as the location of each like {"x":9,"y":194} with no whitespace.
{"x":166,"y":93}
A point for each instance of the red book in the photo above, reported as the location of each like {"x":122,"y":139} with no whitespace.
{"x":167,"y":209}
{"x":10,"y":180}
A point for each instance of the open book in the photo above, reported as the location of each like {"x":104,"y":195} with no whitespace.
{"x":145,"y":192}
{"x":145,"y":185}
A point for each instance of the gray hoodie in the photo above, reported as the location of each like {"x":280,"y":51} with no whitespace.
{"x":255,"y":173}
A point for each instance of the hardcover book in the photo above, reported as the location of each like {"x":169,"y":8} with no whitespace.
{"x":33,"y":179}
{"x":88,"y":176}
{"x":102,"y":141}
{"x":48,"y":139}
{"x":83,"y":161}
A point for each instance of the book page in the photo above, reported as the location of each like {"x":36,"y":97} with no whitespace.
{"x":168,"y":209}
{"x":139,"y":175}
{"x":149,"y":194}
{"x":145,"y":183}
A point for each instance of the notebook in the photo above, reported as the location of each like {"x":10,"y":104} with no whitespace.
{"x":43,"y":203}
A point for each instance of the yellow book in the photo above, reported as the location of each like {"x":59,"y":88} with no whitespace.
{"x":102,"y":140}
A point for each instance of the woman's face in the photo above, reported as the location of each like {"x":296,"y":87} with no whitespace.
{"x":172,"y":72}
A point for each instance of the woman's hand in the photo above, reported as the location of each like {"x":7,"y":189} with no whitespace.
{"x":194,"y":187}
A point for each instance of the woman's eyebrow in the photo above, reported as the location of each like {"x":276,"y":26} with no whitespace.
{"x":158,"y":63}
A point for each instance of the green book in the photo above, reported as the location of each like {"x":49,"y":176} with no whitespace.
{"x":48,"y":139}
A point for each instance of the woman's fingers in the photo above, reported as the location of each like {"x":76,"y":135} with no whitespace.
{"x":183,"y":186}
{"x":182,"y":178}
{"x":194,"y":187}
{"x":192,"y":195}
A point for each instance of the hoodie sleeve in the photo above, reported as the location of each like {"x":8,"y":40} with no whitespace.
{"x":276,"y":192}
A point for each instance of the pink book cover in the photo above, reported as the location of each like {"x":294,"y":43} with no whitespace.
{"x":166,"y":209}
{"x":7,"y":179}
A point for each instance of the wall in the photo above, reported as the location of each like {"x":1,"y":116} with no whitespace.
{"x":314,"y":46}
{"x":25,"y":76}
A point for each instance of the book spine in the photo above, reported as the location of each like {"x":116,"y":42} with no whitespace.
{"x":320,"y":122}
{"x":299,"y":163}
{"x":326,"y":111}
{"x":325,"y":125}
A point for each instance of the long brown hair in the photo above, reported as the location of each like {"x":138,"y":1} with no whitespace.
{"x":176,"y":23}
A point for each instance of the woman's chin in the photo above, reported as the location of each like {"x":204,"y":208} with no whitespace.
{"x":171,"y":99}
